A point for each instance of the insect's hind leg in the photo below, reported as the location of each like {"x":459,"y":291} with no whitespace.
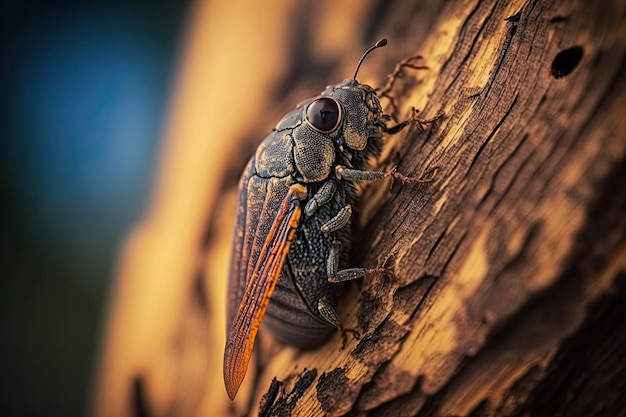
{"x":335,"y":275}
{"x":329,"y":314}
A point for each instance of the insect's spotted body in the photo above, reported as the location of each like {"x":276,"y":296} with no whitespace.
{"x":292,"y":234}
{"x":297,"y":153}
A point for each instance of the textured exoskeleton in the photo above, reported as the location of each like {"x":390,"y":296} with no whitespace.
{"x":292,"y":234}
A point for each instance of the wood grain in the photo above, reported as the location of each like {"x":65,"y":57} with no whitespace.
{"x":495,"y":260}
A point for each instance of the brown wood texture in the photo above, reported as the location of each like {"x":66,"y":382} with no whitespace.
{"x":503,"y":262}
{"x":509,"y":294}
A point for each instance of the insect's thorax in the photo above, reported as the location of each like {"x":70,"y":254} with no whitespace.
{"x":299,"y":150}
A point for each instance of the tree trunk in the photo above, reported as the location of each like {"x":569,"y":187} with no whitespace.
{"x":509,"y":294}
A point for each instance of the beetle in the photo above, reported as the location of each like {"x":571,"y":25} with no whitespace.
{"x":292,"y":233}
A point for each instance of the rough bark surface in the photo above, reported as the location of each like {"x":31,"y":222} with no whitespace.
{"x":510,"y":267}
{"x":507,"y":287}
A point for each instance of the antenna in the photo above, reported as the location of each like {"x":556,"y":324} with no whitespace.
{"x":378,"y":44}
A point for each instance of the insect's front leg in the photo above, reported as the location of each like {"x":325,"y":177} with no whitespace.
{"x":413,"y":120}
{"x":321,"y":197}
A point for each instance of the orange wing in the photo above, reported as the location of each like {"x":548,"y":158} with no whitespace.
{"x":245,"y":325}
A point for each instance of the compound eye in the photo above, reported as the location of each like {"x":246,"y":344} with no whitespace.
{"x":323,"y":114}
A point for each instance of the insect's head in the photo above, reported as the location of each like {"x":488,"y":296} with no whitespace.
{"x":346,"y":111}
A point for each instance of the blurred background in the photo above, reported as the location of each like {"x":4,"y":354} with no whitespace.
{"x":84,"y":88}
{"x":125,"y":126}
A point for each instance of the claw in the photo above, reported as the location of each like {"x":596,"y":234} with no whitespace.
{"x":427,"y":176}
{"x":344,"y":337}
{"x":420,"y":123}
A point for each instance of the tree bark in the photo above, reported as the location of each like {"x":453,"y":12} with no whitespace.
{"x":509,"y":293}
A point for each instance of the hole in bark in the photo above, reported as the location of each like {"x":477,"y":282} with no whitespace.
{"x":565,"y":61}
{"x":139,"y":403}
{"x":558,"y":19}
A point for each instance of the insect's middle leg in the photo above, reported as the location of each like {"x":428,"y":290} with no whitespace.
{"x":335,"y":275}
{"x":349,"y":174}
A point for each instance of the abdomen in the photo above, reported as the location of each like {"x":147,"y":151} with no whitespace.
{"x":290,"y":320}
{"x":292,"y":315}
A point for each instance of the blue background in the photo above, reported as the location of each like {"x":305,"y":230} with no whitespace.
{"x":84,"y":89}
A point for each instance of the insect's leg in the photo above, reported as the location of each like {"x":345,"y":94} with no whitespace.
{"x":413,"y":120}
{"x":385,"y":91}
{"x":332,"y":264}
{"x":321,"y":197}
{"x":391,"y":78}
{"x":335,"y":275}
{"x":329,"y":314}
{"x":349,"y":174}
{"x":340,"y":220}
{"x":350,"y":274}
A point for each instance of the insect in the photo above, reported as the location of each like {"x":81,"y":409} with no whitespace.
{"x":292,"y":234}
